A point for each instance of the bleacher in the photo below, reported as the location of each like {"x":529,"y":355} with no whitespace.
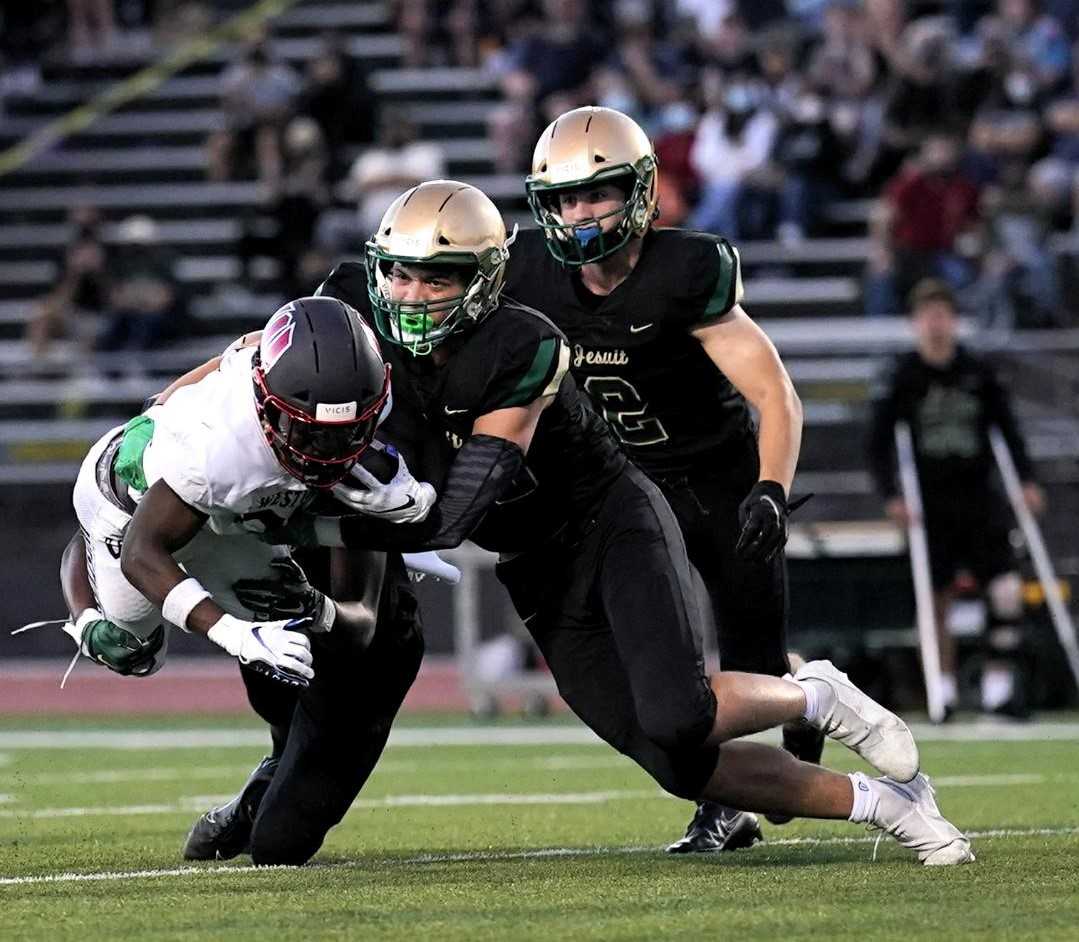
{"x":148,"y":157}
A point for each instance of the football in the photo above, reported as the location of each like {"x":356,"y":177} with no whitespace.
{"x":380,"y":460}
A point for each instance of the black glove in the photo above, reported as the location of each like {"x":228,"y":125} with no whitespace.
{"x":287,"y":595}
{"x":763,"y":516}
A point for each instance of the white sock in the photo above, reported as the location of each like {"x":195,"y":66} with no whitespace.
{"x":866,"y":798}
{"x":949,"y":689}
{"x":814,"y":701}
{"x":998,"y":683}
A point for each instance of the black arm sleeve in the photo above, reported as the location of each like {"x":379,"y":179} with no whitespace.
{"x":881,"y":442}
{"x":999,"y":412}
{"x":483,"y":471}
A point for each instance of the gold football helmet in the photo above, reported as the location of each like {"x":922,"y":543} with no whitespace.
{"x":584,"y":146}
{"x":439,"y":223}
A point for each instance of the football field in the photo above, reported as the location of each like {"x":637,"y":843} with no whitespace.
{"x":512,"y":831}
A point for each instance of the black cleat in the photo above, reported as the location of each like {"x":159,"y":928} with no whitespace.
{"x":223,"y":833}
{"x":803,"y":742}
{"x":715,"y":828}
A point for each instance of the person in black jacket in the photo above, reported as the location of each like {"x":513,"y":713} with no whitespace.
{"x":951,"y":399}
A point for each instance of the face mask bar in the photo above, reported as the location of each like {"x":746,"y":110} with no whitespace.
{"x":584,"y":242}
{"x":415,"y":325}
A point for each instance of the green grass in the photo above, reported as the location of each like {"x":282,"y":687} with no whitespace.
{"x":384,"y":872}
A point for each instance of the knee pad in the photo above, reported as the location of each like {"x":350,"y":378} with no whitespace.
{"x":1005,"y":595}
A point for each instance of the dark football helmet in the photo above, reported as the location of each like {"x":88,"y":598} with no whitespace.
{"x":320,"y":387}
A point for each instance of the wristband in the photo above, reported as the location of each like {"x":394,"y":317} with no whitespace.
{"x":182,"y":598}
{"x":228,"y":632}
{"x":77,"y":628}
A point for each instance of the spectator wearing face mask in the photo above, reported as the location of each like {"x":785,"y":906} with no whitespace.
{"x":734,"y":141}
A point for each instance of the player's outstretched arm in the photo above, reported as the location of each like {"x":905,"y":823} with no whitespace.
{"x":161,"y":525}
{"x":483,"y":470}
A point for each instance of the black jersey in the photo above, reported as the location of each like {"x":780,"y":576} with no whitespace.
{"x":513,"y":357}
{"x":673,"y":411}
{"x":949,"y":410}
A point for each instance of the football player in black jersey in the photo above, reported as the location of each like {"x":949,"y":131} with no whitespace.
{"x":591,"y":554}
{"x":665,"y":351}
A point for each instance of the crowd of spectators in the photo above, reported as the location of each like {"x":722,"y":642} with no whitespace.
{"x":956,"y":121}
{"x":962,"y":115}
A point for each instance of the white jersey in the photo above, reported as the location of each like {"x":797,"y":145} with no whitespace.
{"x":209,"y":447}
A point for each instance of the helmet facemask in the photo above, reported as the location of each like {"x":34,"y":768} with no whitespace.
{"x":584,"y":242}
{"x":316,"y":453}
{"x":419,"y":326}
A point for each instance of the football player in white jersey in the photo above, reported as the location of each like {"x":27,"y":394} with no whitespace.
{"x":171,"y":506}
{"x":328,"y":739}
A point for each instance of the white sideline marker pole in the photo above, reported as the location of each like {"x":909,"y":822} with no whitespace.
{"x":1039,"y":555}
{"x":919,"y":567}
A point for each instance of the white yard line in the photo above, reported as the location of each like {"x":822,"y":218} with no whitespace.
{"x":979,"y":731}
{"x":486,"y":856}
{"x":199,"y":802}
{"x":113,"y":776}
{"x":988,"y":781}
{"x":196,"y":802}
{"x":392,"y":766}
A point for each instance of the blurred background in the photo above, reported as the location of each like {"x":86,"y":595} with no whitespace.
{"x":171,"y":171}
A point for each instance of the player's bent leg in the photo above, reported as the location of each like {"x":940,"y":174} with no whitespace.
{"x":763,"y":778}
{"x":225,"y":832}
{"x":103,"y":522}
{"x":338,"y":732}
{"x":654,"y":614}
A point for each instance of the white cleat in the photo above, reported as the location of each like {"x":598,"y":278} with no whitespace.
{"x":908,"y":811}
{"x":860,"y":723}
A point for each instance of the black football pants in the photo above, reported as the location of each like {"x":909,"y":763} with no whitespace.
{"x":330,"y":736}
{"x":618,"y":621}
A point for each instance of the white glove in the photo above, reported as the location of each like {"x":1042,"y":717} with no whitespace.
{"x":430,"y":564}
{"x":269,"y":647}
{"x":402,"y":499}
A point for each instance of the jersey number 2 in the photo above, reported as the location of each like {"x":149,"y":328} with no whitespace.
{"x":623,"y":409}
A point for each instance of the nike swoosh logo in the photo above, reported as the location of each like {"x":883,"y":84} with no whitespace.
{"x":257,"y":632}
{"x":408,"y":503}
{"x":450,"y":411}
{"x":637,"y":328}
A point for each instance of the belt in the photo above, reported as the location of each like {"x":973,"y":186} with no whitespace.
{"x":108,"y":483}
